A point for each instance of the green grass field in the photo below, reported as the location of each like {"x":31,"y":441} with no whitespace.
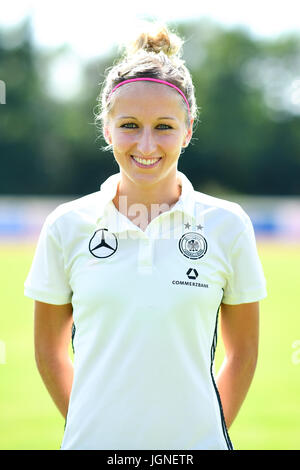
{"x":269,"y":418}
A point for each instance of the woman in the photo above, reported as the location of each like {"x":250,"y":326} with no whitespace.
{"x":141,"y":268}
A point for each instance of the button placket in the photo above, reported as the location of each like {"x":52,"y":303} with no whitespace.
{"x":146,"y":247}
{"x":145,"y":256}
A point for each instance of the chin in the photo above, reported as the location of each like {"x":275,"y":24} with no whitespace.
{"x":140,"y":178}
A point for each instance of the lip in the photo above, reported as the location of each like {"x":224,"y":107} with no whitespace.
{"x":140,"y":165}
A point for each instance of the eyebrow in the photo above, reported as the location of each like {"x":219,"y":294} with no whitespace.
{"x":133,"y":117}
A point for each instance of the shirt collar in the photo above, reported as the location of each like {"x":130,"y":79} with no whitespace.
{"x":118,"y":222}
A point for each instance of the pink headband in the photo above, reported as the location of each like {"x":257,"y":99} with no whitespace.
{"x":153,"y":80}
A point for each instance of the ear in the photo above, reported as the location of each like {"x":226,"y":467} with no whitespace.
{"x":188,"y":135}
{"x":107,"y":135}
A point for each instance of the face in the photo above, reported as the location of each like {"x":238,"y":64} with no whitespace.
{"x":147,"y":129}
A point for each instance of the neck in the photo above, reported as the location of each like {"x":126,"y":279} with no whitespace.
{"x":143,"y":202}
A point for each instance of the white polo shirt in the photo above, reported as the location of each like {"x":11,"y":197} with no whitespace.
{"x":145,"y":311}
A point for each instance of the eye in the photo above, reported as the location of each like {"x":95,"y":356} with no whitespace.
{"x":129,"y":124}
{"x":166,"y":126}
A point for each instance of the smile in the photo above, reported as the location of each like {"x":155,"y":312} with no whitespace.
{"x":149,"y":163}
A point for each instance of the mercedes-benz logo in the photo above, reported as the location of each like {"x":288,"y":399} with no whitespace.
{"x":103,"y":243}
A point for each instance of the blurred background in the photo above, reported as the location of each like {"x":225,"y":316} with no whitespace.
{"x":245,"y":64}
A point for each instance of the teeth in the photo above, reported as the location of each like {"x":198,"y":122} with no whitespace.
{"x":146,"y":162}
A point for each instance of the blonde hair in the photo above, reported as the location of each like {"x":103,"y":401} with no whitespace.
{"x":154,"y":53}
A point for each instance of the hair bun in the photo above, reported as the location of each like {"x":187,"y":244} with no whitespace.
{"x":155,"y":37}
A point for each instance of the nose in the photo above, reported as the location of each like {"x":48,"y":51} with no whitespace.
{"x":146,"y":143}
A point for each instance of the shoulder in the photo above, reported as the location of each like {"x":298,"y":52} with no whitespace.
{"x":221,"y":206}
{"x":74,"y":210}
{"x":86,"y":208}
{"x":224,"y":221}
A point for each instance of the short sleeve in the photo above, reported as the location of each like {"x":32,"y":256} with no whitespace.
{"x":47,"y":280}
{"x":246,"y":283}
